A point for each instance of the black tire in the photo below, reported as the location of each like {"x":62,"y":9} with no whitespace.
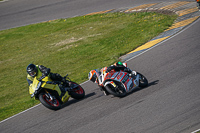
{"x":78,"y":92}
{"x":118,"y":92}
{"x":143,"y":82}
{"x":53,"y":105}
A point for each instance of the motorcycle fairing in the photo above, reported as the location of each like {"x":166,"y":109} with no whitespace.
{"x":121,"y":77}
{"x":34,"y":85}
{"x":52,"y":87}
{"x":129,"y":83}
{"x":110,"y":82}
{"x":66,"y":97}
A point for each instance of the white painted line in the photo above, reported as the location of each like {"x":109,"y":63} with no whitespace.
{"x":126,"y":61}
{"x":164,"y":40}
{"x":4,"y":1}
{"x":30,"y":108}
{"x":84,"y":82}
{"x":195,"y":131}
{"x":19,"y":113}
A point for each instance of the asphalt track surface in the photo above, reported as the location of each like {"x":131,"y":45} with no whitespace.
{"x":170,"y":104}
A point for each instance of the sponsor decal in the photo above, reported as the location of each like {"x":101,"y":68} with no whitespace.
{"x":120,"y":76}
{"x":125,"y":78}
{"x":109,"y":76}
{"x":113,"y":84}
{"x":114,"y":75}
{"x":129,"y":83}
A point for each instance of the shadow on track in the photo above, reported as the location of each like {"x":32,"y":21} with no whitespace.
{"x":73,"y":101}
{"x":150,"y":84}
{"x":139,"y":89}
{"x":153,"y":83}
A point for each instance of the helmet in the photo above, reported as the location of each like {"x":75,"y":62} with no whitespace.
{"x":31,"y":70}
{"x":119,"y":63}
{"x":92,"y":75}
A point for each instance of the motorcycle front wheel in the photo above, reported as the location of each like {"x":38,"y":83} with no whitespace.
{"x":77,"y":92}
{"x":47,"y":102}
{"x":118,"y":91}
{"x":143,"y":82}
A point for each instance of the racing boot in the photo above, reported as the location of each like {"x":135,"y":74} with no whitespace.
{"x":64,"y":98}
{"x":64,"y":93}
{"x":105,"y":92}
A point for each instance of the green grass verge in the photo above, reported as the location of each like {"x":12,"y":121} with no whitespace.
{"x":74,"y":46}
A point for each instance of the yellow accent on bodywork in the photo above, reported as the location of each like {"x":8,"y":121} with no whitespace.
{"x":47,"y":78}
{"x":50,"y":86}
{"x":33,"y":86}
{"x":44,"y":85}
{"x":66,"y":97}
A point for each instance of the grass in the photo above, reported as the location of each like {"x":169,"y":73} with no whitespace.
{"x":74,"y":46}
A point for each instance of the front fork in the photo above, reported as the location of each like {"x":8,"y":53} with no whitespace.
{"x":136,"y":81}
{"x":48,"y":95}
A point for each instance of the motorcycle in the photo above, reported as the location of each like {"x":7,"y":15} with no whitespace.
{"x":53,"y":94}
{"x":121,"y":83}
{"x":198,"y":4}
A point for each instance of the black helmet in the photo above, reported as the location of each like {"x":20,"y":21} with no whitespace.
{"x":31,"y":70}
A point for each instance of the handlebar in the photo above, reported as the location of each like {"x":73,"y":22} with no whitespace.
{"x":42,"y":77}
{"x":67,"y":77}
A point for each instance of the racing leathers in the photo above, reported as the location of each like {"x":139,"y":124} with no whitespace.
{"x":119,"y":66}
{"x":43,"y":71}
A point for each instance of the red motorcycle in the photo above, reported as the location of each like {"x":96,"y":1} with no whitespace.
{"x":118,"y":83}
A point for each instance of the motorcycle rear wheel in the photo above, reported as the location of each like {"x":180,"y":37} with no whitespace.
{"x":78,"y":92}
{"x":118,"y":92}
{"x":47,"y":102}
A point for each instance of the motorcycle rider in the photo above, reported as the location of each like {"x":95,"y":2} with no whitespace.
{"x":40,"y":70}
{"x":119,"y":66}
